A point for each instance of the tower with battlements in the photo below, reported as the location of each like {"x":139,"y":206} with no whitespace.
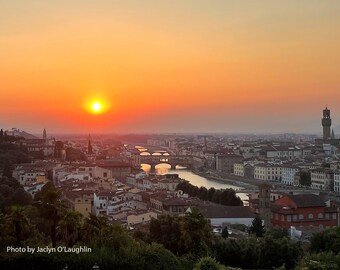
{"x":326,"y":123}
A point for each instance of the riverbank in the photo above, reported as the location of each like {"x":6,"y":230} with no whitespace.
{"x":239,"y":183}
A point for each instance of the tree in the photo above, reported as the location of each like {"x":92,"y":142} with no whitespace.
{"x":156,"y":257}
{"x":196,"y":233}
{"x":166,"y":230}
{"x":229,"y":252}
{"x":7,"y":171}
{"x":278,"y":252}
{"x":211,"y":192}
{"x":18,"y":218}
{"x":257,"y":227}
{"x":224,"y":197}
{"x":326,"y":241}
{"x":208,"y":263}
{"x":277,"y":233}
{"x":51,"y":210}
{"x":69,"y":227}
{"x":225,"y":232}
{"x":93,"y":227}
{"x":319,"y":261}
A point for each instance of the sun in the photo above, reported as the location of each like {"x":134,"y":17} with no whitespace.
{"x":96,"y":106}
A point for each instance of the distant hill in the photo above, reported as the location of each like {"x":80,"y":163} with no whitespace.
{"x":27,"y":135}
{"x":20,"y":133}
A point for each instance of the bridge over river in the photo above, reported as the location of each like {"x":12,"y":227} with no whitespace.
{"x":172,"y":160}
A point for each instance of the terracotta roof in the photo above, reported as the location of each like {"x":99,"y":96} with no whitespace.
{"x":222,"y":211}
{"x":307,"y":200}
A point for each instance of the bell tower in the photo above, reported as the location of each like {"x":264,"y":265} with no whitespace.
{"x":45,"y":136}
{"x":89,"y":146}
{"x":264,"y":205}
{"x":326,"y":123}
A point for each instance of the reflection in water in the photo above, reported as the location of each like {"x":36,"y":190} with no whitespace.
{"x":190,"y":176}
{"x":194,"y":179}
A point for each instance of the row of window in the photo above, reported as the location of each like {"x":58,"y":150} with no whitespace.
{"x":301,"y":216}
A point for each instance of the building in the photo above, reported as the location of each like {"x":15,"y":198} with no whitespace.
{"x":41,"y":147}
{"x":118,"y":169}
{"x":220,"y":215}
{"x":169,"y":182}
{"x":326,"y":124}
{"x":239,"y":169}
{"x":337,"y":181}
{"x":29,"y":176}
{"x":303,"y":210}
{"x":140,"y":216}
{"x":288,"y":174}
{"x":267,"y":172}
{"x":108,"y":202}
{"x":264,"y":205}
{"x":284,"y":152}
{"x":249,"y":171}
{"x":322,"y":178}
{"x":225,"y":162}
{"x":327,"y":136}
{"x":79,"y":200}
{"x":156,"y":142}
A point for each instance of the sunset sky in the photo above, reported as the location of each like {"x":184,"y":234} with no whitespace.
{"x":169,"y":66}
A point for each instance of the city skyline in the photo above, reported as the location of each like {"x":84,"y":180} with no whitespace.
{"x":169,"y":66}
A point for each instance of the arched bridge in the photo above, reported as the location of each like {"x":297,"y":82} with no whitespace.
{"x":172,"y":160}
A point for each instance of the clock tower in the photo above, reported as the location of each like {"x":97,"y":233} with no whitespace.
{"x":326,"y":123}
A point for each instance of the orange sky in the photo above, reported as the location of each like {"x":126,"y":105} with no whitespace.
{"x":169,"y":66}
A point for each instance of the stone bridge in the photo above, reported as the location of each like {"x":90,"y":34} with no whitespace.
{"x":172,"y":160}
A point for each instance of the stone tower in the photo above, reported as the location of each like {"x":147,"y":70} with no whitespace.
{"x":45,"y":136}
{"x":326,"y":123}
{"x":89,"y":146}
{"x":264,"y":205}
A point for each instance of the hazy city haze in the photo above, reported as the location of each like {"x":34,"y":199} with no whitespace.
{"x":169,"y":66}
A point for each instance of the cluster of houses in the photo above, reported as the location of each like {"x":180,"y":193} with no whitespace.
{"x":110,"y":182}
{"x":281,"y":162}
{"x":286,"y":210}
{"x":132,"y":200}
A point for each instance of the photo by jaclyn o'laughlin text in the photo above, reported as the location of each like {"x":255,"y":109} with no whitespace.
{"x":49,"y":250}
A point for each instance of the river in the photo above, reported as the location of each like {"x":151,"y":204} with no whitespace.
{"x":193,"y":178}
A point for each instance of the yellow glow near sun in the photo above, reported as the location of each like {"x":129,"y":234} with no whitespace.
{"x":96,"y":106}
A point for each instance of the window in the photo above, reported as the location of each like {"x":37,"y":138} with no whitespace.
{"x":310,"y":216}
{"x":300,"y":217}
{"x":105,"y":174}
{"x":282,"y":218}
{"x":320,"y":215}
{"x":294,"y":217}
{"x":327,"y":215}
{"x":289,"y":218}
{"x":334,"y":215}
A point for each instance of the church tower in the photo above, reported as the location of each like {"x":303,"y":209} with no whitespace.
{"x":89,"y":147}
{"x":326,"y":123}
{"x":45,"y":136}
{"x":264,"y":205}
